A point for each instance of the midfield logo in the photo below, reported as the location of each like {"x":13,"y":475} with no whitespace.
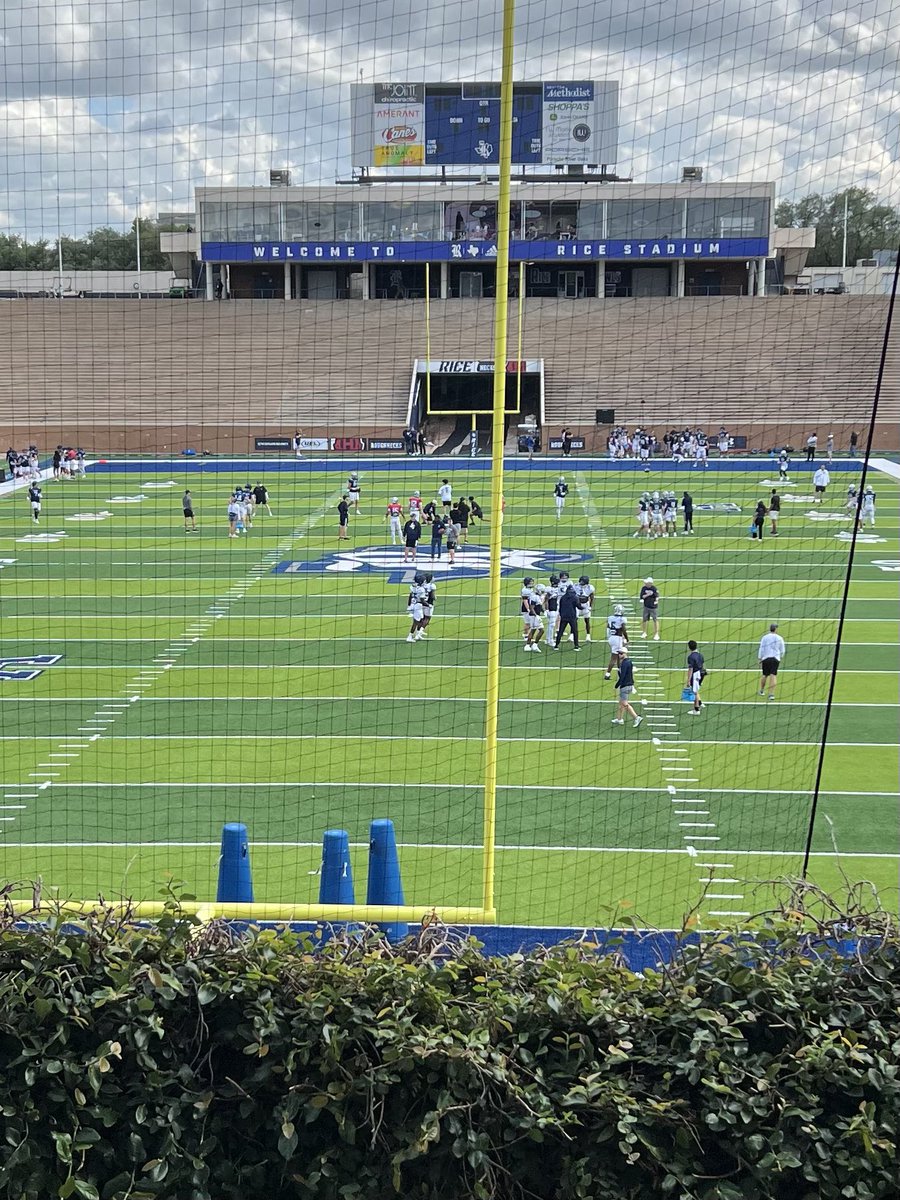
{"x":473,"y":562}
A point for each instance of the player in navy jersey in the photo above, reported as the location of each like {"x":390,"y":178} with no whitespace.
{"x":34,"y":497}
{"x":551,"y":603}
{"x":585,"y":590}
{"x":560,"y":491}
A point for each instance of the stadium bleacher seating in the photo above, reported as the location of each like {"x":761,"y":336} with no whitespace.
{"x":139,"y":371}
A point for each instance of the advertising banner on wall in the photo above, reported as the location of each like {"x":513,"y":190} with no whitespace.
{"x":389,"y":119}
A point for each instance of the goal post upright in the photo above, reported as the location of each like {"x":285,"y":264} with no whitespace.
{"x":501,"y":316}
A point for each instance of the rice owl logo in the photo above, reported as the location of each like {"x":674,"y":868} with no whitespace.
{"x":472,"y":563}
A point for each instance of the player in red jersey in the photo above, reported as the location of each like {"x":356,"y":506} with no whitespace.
{"x":394,"y":515}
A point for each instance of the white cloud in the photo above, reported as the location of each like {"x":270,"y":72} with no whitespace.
{"x":102,"y":103}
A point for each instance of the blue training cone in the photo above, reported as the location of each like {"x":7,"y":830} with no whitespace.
{"x":384,"y":884}
{"x":235,"y":884}
{"x":336,"y":879}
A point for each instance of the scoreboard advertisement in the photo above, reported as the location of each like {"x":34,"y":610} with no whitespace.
{"x":458,"y":124}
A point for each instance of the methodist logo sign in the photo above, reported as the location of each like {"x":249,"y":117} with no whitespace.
{"x":577,"y":250}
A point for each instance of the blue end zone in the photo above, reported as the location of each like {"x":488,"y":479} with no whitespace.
{"x":247,"y":466}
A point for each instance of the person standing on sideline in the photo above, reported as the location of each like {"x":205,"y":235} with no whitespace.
{"x":187,"y":506}
{"x":560,"y":491}
{"x":421,"y":444}
{"x":774,"y":511}
{"x":811,"y":442}
{"x":624,"y":688}
{"x":854,"y":442}
{"x":696,"y":673}
{"x":566,"y":442}
{"x":412,"y":531}
{"x":771,"y":652}
{"x":649,"y":598}
{"x":529,"y":445}
{"x":343,"y":517}
{"x":821,"y":480}
{"x":296,"y":441}
{"x":687,"y":504}
{"x":829,"y":447}
{"x":758,"y":523}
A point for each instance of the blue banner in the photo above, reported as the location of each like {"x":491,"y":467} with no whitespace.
{"x":635,"y":250}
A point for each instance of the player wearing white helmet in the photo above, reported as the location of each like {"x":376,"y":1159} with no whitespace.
{"x":415,"y":506}
{"x":867,"y":508}
{"x":616,"y":636}
{"x":560,"y":491}
{"x":394,"y":515}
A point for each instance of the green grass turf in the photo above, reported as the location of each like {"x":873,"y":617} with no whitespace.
{"x":300,"y":706}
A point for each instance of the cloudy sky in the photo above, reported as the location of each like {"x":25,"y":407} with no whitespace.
{"x":104,"y":105}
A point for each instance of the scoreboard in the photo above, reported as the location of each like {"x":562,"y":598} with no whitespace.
{"x":458,"y":124}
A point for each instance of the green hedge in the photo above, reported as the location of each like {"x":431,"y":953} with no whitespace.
{"x":195,"y":1064}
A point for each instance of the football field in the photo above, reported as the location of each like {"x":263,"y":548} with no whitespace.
{"x":267,"y":679}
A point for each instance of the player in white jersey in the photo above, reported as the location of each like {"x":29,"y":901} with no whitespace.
{"x":585,"y":589}
{"x":415,"y":606}
{"x":656,"y":516}
{"x":616,"y":636}
{"x":551,"y":605}
{"x":784,"y":465}
{"x":393,"y":514}
{"x":867,"y":510}
{"x":532,"y":610}
{"x":670,"y":513}
{"x":701,"y":456}
{"x":560,"y":491}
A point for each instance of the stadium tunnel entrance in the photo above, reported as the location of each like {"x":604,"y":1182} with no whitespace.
{"x":461,"y":387}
